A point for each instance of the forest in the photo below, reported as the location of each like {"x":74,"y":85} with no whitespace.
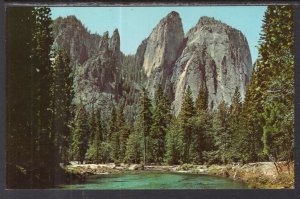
{"x":45,"y":130}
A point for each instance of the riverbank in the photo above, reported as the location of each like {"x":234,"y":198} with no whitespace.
{"x":257,"y":175}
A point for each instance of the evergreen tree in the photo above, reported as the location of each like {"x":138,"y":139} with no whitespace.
{"x":19,"y":98}
{"x":92,"y":127}
{"x":134,"y":149}
{"x":161,"y":119}
{"x":186,"y":113}
{"x":126,"y":130}
{"x":43,"y":164}
{"x":124,"y":136}
{"x":201,"y":126}
{"x":222,"y":137}
{"x":62,"y":92}
{"x":236,"y":126}
{"x":144,"y":121}
{"x":202,"y":99}
{"x":278,"y":90}
{"x":79,"y":135}
{"x":96,"y":138}
{"x":112,"y":124}
{"x":174,"y":143}
{"x":251,"y":143}
{"x":118,"y":127}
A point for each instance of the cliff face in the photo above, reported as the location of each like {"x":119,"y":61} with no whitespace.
{"x":159,"y":51}
{"x":218,"y":56}
{"x":211,"y":53}
{"x":95,"y":60}
{"x":73,"y":37}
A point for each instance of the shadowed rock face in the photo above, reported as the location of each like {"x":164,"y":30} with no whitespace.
{"x":95,"y":60}
{"x":212,"y":53}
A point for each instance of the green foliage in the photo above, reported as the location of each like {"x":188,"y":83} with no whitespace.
{"x":96,"y":138}
{"x":42,"y":73}
{"x":144,"y":121}
{"x":118,"y":132}
{"x":222,"y":136}
{"x":201,"y":141}
{"x":19,"y":81}
{"x":112,"y":124}
{"x":124,"y":136}
{"x":134,"y":148}
{"x":80,"y":137}
{"x":277,"y":90}
{"x":202,"y":99}
{"x":28,"y":59}
{"x":236,"y":127}
{"x":253,"y":121}
{"x":42,"y":127}
{"x":161,"y":119}
{"x":62,"y":93}
{"x":187,"y":111}
{"x":174,"y":143}
{"x":114,"y":137}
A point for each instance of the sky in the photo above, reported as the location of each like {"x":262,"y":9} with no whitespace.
{"x":136,"y":23}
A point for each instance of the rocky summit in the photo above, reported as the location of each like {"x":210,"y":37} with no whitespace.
{"x":162,"y":48}
{"x":210,"y":53}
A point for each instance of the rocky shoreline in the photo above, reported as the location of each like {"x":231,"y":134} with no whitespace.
{"x":256,"y":175}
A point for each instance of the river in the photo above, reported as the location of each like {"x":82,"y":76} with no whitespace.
{"x":156,"y":180}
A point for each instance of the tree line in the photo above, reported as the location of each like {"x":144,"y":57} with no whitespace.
{"x":45,"y":129}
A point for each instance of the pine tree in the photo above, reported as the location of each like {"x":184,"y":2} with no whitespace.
{"x":202,"y":99}
{"x":251,"y":144}
{"x":161,"y":119}
{"x":112,"y":125}
{"x":201,"y":125}
{"x":118,"y":127}
{"x":79,"y":135}
{"x":144,"y":121}
{"x":19,"y":98}
{"x":236,"y":126}
{"x":186,"y":113}
{"x":44,"y":163}
{"x":124,"y":136}
{"x":174,"y":143}
{"x":62,"y":93}
{"x":222,"y":137}
{"x":134,"y":149}
{"x":276,"y":62}
{"x":95,"y":138}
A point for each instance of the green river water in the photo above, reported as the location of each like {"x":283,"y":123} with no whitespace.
{"x":156,"y":180}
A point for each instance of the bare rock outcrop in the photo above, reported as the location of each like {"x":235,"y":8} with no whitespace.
{"x":211,"y":53}
{"x":218,"y":56}
{"x":95,"y":60}
{"x":160,"y":50}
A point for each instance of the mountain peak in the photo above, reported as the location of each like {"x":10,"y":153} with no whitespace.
{"x":173,"y":14}
{"x":205,"y":20}
{"x":116,"y":31}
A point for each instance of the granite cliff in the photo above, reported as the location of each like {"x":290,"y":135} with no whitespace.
{"x":95,"y":60}
{"x":211,"y":53}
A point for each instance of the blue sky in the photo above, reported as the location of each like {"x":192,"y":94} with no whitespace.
{"x":136,"y":23}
